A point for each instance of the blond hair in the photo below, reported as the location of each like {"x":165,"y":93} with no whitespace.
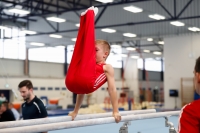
{"x":105,"y":44}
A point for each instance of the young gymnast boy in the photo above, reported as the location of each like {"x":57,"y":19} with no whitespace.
{"x":88,"y":69}
{"x":102,"y":52}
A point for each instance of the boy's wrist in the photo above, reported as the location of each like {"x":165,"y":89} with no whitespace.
{"x":115,"y":112}
{"x":76,"y":111}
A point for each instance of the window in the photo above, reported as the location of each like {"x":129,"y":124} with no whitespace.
{"x":102,"y":89}
{"x":153,"y":65}
{"x":64,"y":89}
{"x":50,"y":88}
{"x":57,"y":88}
{"x":140,"y":63}
{"x":42,"y":88}
{"x":12,"y":44}
{"x":15,"y":33}
{"x":70,"y":49}
{"x":47,"y":54}
{"x":37,"y":54}
{"x":35,"y":88}
{"x":55,"y":54}
{"x":8,"y":33}
{"x":10,"y":49}
{"x":22,"y":46}
{"x":115,"y":58}
{"x":22,"y":51}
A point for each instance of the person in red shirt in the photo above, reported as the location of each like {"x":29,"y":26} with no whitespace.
{"x":189,"y":121}
{"x":88,"y":69}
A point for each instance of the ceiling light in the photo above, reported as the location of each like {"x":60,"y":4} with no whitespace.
{"x":123,"y":55}
{"x":133,"y":9}
{"x":150,"y":39}
{"x":115,"y":46}
{"x":129,"y":35}
{"x":56,"y":19}
{"x":37,"y":44}
{"x":29,"y":32}
{"x":161,"y":42}
{"x":108,"y":30}
{"x":130,"y":48}
{"x":157,"y":53}
{"x":55,"y":36}
{"x":157,"y":16}
{"x":73,"y":39}
{"x":177,"y":23}
{"x":77,"y":25}
{"x":146,"y":51}
{"x":19,"y":11}
{"x":194,"y":29}
{"x":3,"y":27}
{"x":105,"y":1}
{"x":135,"y":57}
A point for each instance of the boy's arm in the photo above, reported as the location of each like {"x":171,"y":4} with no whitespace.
{"x":109,"y":72}
{"x":79,"y":100}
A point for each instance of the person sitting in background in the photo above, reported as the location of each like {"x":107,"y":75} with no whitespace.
{"x":14,"y":111}
{"x":6,"y":114}
{"x":189,"y":121}
{"x":2,"y":98}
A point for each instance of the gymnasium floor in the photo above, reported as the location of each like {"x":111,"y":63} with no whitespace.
{"x":140,"y":126}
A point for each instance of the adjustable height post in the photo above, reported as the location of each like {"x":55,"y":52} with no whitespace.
{"x":170,"y":125}
{"x":124,"y":128}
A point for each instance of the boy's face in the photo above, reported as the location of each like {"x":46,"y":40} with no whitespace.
{"x":100,"y":53}
{"x":197,"y":82}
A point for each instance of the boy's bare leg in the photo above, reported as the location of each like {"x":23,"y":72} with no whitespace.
{"x":79,"y":100}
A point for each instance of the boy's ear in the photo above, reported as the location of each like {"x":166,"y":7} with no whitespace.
{"x":198,"y":77}
{"x":106,"y":54}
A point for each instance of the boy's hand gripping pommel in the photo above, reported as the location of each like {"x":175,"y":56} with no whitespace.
{"x":73,"y":115}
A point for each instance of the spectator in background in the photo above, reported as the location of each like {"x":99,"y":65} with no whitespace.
{"x":14,"y":111}
{"x":2,"y":98}
{"x":33,"y":107}
{"x":6,"y":114}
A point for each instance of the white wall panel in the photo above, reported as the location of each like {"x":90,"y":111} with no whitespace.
{"x":179,"y":63}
